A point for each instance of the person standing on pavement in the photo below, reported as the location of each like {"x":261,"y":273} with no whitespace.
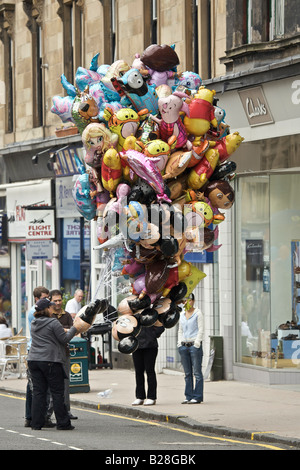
{"x":144,"y":359}
{"x":66,"y":321}
{"x":190,"y":337}
{"x":46,"y":360}
{"x":39,"y":292}
{"x":74,"y":305}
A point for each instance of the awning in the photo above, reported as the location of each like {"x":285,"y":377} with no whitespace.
{"x":31,"y":160}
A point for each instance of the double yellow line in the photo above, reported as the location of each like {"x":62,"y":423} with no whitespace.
{"x":185,"y":431}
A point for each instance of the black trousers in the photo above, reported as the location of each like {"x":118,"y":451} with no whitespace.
{"x":144,"y":361}
{"x":48,"y":375}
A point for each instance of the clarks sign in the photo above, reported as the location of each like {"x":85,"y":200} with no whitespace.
{"x":256,"y":106}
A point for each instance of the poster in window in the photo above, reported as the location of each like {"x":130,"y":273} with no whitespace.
{"x":295,"y":251}
{"x":254,"y":260}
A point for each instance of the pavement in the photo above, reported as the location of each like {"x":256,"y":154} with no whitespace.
{"x":268,"y":413}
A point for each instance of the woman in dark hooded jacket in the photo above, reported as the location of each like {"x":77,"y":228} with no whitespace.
{"x":45,"y":361}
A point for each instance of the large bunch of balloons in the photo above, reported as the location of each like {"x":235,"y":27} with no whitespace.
{"x":156,"y":177}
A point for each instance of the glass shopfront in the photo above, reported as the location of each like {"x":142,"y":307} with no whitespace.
{"x":268,"y":257}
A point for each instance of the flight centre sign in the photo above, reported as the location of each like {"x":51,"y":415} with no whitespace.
{"x":40,"y":224}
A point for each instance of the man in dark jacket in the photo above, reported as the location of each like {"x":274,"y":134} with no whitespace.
{"x":144,"y":359}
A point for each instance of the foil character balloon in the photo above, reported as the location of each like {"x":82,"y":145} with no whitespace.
{"x":160,"y":57}
{"x":219,"y":195}
{"x":124,"y":123}
{"x":193,"y":279}
{"x":88,"y":313}
{"x":81,"y":193}
{"x":135,"y":91}
{"x":223,"y":171}
{"x":218,"y":153}
{"x":125,"y":329}
{"x":159,"y":151}
{"x":201,"y":114}
{"x":111,"y":170}
{"x":177,"y":163}
{"x":147,"y":170}
{"x":115,"y":70}
{"x":96,"y":139}
{"x":160,"y":62}
{"x":148,"y":130}
{"x":190,"y":80}
{"x":168,"y":312}
{"x":170,"y":123}
{"x":84,"y":110}
{"x":62,"y":106}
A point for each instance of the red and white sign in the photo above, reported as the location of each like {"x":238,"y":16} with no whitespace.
{"x":20,"y":196}
{"x":40,"y":224}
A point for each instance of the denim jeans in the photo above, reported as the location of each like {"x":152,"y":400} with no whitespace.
{"x":191,"y":359}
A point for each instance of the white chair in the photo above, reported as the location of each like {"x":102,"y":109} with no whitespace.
{"x":2,"y":359}
{"x":13,"y":354}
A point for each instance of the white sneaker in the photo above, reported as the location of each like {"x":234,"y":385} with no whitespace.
{"x":137,"y":402}
{"x":149,"y":402}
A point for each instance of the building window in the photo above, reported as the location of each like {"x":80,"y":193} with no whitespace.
{"x":10,"y":87}
{"x":196,"y":36}
{"x":7,"y":21}
{"x":276,"y":19}
{"x":249,"y":22}
{"x":113,"y":31}
{"x":37,"y":75}
{"x":153,"y":21}
{"x":73,"y":38}
{"x":8,"y":92}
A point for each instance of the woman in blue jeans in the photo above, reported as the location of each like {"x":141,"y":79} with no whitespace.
{"x":190,"y":337}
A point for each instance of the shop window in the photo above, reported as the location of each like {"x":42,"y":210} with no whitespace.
{"x":253,"y":298}
{"x":268,"y":270}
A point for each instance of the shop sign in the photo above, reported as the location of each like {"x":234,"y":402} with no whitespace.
{"x":39,"y":249}
{"x":40,"y":224}
{"x":65,"y":164}
{"x":17,"y":198}
{"x":256,"y":107}
{"x":65,"y":204}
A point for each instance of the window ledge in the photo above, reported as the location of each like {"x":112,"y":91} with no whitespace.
{"x":260,"y":48}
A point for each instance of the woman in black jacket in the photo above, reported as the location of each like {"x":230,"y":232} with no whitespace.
{"x":144,"y":361}
{"x":46,"y":357}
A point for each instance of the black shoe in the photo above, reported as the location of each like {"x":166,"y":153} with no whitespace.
{"x":36,"y":428}
{"x":27,"y":423}
{"x":65,"y":428}
{"x":72,"y":416}
{"x":49,"y":424}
